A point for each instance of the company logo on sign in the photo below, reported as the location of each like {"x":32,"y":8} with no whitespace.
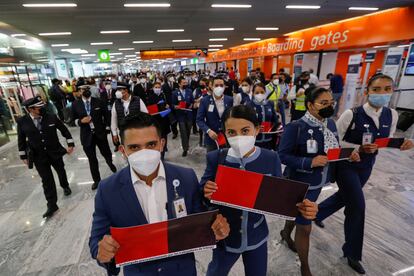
{"x":103,"y":56}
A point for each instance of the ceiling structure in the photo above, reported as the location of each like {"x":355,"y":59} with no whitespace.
{"x":195,"y":17}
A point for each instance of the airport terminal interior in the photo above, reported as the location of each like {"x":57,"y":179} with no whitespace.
{"x":88,"y":70}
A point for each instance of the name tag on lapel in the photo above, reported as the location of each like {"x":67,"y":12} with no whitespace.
{"x":385,"y":126}
{"x":210,"y":108}
{"x":97,"y":108}
{"x":52,"y":125}
{"x":180,"y":209}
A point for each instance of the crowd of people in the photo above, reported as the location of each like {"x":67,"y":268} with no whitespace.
{"x":242,"y":124}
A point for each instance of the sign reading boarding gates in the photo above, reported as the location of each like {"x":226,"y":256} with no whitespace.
{"x":103,"y":56}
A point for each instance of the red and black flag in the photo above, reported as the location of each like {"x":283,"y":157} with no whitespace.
{"x":389,"y":142}
{"x":339,"y":154}
{"x":221,"y":141}
{"x":258,"y":193}
{"x":154,"y":241}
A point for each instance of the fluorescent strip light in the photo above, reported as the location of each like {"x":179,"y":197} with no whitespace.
{"x":115,"y":54}
{"x":182,"y":40}
{"x":88,"y":55}
{"x":84,"y":58}
{"x":60,"y":45}
{"x":147,"y":5}
{"x":218,"y":39}
{"x":251,"y":39}
{"x":220,"y":29}
{"x":363,"y":9}
{"x":236,"y":6}
{"x":116,"y":32}
{"x":51,"y":5}
{"x":143,"y":42}
{"x":215,"y":45}
{"x":17,"y":35}
{"x":101,"y":43}
{"x":170,"y":31}
{"x":128,"y":56}
{"x":213,"y":50}
{"x":137,"y":52}
{"x":267,"y":28}
{"x":53,"y":34}
{"x":126,"y":49}
{"x":307,"y":7}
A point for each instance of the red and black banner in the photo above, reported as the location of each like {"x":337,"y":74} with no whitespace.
{"x":266,"y":127}
{"x":221,"y":140}
{"x":165,"y":239}
{"x":389,"y":142}
{"x":339,"y":154}
{"x":258,"y":193}
{"x":154,"y":109}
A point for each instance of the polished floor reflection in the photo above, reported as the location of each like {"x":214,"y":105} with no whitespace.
{"x":31,"y":246}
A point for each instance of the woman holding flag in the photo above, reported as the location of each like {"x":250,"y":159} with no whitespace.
{"x":249,"y":231}
{"x":303,"y":149}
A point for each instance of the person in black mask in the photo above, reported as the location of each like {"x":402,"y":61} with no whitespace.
{"x":39,"y":144}
{"x":91,"y":116}
{"x":297,"y":96}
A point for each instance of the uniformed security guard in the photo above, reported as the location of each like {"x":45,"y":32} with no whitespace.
{"x":91,"y":116}
{"x":359,"y":128}
{"x":275,"y":94}
{"x":39,"y":144}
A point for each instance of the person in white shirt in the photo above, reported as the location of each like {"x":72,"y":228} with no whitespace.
{"x":359,"y":128}
{"x":313,"y":78}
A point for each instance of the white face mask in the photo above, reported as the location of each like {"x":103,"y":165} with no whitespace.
{"x":218,"y":91}
{"x":144,"y":162}
{"x":171,"y":79}
{"x":242,"y":144}
{"x":260,"y":97}
{"x":157,"y":91}
{"x":118,"y":94}
{"x":143,"y":81}
{"x":276,"y":82}
{"x":108,"y":87}
{"x":246,"y":89}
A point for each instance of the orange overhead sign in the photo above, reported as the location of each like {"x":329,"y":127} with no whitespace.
{"x":164,"y":54}
{"x":376,"y":28}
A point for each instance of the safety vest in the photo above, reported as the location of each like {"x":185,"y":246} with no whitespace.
{"x":300,"y":101}
{"x":274,"y":97}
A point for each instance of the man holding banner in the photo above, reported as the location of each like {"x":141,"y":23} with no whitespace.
{"x":147,"y":192}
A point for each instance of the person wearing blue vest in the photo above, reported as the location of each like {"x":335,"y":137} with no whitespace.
{"x":249,"y":231}
{"x":184,"y":113}
{"x":265,"y":111}
{"x":303,"y":149}
{"x":245,"y":94}
{"x":145,"y":192}
{"x":210,"y":112}
{"x":358,"y":128}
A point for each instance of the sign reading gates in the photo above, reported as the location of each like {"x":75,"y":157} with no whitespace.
{"x":163,"y":54}
{"x":359,"y":31}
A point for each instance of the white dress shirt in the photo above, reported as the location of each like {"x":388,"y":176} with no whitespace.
{"x":346,"y":118}
{"x":238,"y":98}
{"x":153,"y":199}
{"x":220,"y":105}
{"x":114,"y":115}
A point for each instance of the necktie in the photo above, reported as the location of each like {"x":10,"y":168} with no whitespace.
{"x":38,"y":123}
{"x":88,"y":107}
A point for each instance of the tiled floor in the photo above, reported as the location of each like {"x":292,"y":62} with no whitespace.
{"x":31,"y":246}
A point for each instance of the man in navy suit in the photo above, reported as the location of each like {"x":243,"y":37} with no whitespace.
{"x":144,"y":193}
{"x":183,"y":101}
{"x":210,"y":112}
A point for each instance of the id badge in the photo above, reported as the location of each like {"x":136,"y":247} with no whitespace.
{"x":109,"y":107}
{"x":312,"y":146}
{"x":210,"y":108}
{"x":180,"y":209}
{"x":180,"y":98}
{"x":366,"y":138}
{"x":91,"y":125}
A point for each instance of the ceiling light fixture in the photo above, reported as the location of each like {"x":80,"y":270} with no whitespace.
{"x":143,"y":42}
{"x":170,"y":30}
{"x":60,"y":45}
{"x":234,"y":6}
{"x":54,"y":34}
{"x":115,"y":54}
{"x":101,"y":43}
{"x":88,"y":55}
{"x":126,"y":49}
{"x":128,"y":56}
{"x":215,"y":45}
{"x":220,"y":29}
{"x":218,"y":39}
{"x":363,"y":8}
{"x":251,"y":39}
{"x":267,"y":29}
{"x":182,"y":40}
{"x":305,"y":7}
{"x":213,"y":50}
{"x":51,"y":5}
{"x":116,"y":32}
{"x":147,"y":5}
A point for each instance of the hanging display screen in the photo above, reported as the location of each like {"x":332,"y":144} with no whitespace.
{"x":409,"y":70}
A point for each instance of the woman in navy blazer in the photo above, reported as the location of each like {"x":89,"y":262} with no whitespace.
{"x":303,"y":149}
{"x":249,"y":231}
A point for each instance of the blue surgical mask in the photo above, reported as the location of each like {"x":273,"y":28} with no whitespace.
{"x":379,"y":100}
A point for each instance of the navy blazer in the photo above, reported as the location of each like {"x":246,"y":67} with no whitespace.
{"x":248,"y":230}
{"x":183,"y":115}
{"x":211,"y":120}
{"x":117,"y":205}
{"x":265,"y":113}
{"x":293,"y":153}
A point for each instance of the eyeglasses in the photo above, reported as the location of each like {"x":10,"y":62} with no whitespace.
{"x":327,"y":103}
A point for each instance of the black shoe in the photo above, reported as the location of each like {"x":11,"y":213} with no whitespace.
{"x":113,"y":168}
{"x":50,"y":211}
{"x":67,"y":191}
{"x":184,"y":153}
{"x":319,"y":223}
{"x":290,"y":243}
{"x":95,"y":186}
{"x":356,"y":265}
{"x":175,"y":136}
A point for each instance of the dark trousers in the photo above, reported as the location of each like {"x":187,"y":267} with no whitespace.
{"x":350,"y":195}
{"x":254,"y":261}
{"x":90,"y":152}
{"x":185,"y":131}
{"x":281,"y":107}
{"x":43,"y":166}
{"x":195,"y":127}
{"x":59,"y":108}
{"x":211,"y":147}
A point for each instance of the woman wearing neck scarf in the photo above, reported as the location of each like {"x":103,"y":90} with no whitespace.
{"x":249,"y":231}
{"x":303,"y":149}
{"x":266,"y":116}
